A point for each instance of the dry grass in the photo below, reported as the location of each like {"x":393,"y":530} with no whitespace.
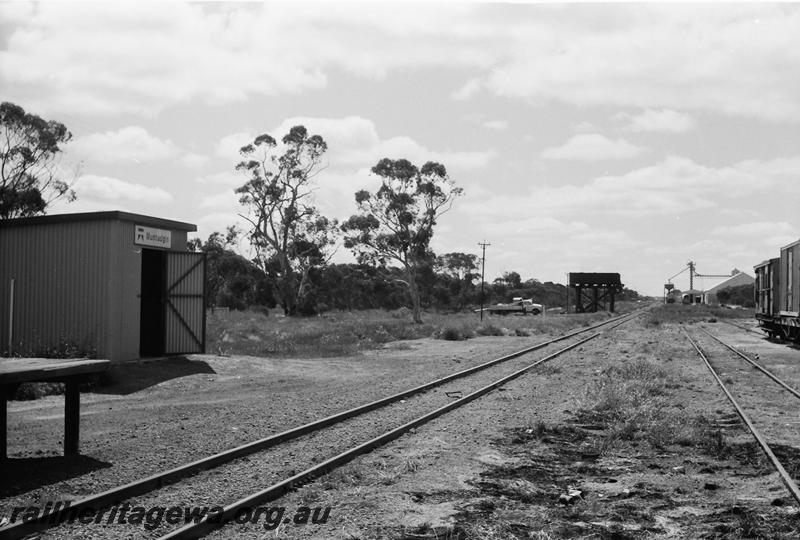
{"x":633,"y":401}
{"x":344,"y":333}
{"x":253,"y":333}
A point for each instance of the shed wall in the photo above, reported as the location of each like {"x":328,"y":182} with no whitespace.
{"x":124,"y":296}
{"x":61,"y":287}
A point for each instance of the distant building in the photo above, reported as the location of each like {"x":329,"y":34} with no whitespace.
{"x":692,"y":296}
{"x":736,"y":280}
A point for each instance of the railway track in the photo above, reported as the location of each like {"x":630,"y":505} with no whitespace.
{"x":745,"y":328}
{"x":409,"y":412}
{"x":730,"y":360}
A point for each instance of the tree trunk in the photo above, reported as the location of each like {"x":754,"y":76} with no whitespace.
{"x":287,"y":287}
{"x":414,"y":292}
{"x":301,"y":288}
{"x":287,"y":294}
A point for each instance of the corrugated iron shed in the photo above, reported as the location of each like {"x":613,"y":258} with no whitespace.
{"x":76,"y":281}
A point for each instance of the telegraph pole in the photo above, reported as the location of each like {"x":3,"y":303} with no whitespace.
{"x":483,"y":267}
{"x":566,"y":308}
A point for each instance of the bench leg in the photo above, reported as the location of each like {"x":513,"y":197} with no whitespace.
{"x":3,"y":423}
{"x":72,"y":413}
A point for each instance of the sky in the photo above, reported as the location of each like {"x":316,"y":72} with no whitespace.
{"x":625,"y":138}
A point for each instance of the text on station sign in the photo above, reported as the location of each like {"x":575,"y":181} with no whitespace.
{"x":148,"y":236}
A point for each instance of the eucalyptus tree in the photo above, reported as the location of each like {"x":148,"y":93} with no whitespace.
{"x":30,"y":178}
{"x":287,"y":232}
{"x":396,"y":223}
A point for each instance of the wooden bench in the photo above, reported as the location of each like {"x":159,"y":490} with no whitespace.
{"x":71,"y":372}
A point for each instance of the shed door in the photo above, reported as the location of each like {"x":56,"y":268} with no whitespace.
{"x":185,"y":310}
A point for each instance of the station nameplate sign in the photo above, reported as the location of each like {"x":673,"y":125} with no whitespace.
{"x":148,"y":236}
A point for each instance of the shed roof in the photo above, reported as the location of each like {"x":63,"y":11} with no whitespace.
{"x":113,"y":215}
{"x":740,"y":278}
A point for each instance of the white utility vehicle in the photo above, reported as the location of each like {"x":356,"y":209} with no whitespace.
{"x":517,"y":305}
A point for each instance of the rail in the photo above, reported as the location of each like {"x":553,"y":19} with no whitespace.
{"x":755,"y":364}
{"x":785,"y":478}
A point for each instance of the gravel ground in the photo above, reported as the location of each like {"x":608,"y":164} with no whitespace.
{"x":242,"y":477}
{"x":496,"y":468}
{"x":493,"y":469}
{"x":160,"y":414}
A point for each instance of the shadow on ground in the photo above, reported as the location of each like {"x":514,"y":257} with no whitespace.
{"x":129,"y":377}
{"x":21,"y":475}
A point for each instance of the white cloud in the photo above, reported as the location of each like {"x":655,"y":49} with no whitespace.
{"x":405,"y":147}
{"x":757,"y":229}
{"x":788,"y":168}
{"x":658,"y":56}
{"x":335,"y":194}
{"x":194,"y":161}
{"x":545,"y":247}
{"x":468,"y":90}
{"x":592,"y":147}
{"x":499,"y":125}
{"x":210,"y":222}
{"x":672,"y":187}
{"x":353,"y":143}
{"x":663,"y":120}
{"x":685,"y":177}
{"x":228,"y":178}
{"x":781,"y":240}
{"x":227,"y":200}
{"x":354,"y":146}
{"x":118,"y":58}
{"x":94,"y":187}
{"x":132,"y":143}
{"x":228,"y":147}
{"x":585,"y":127}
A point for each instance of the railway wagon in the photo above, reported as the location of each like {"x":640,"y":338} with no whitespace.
{"x":777,"y":294}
